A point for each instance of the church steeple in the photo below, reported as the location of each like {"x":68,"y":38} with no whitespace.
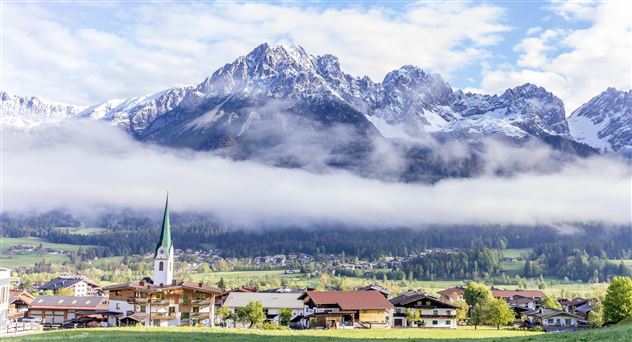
{"x":165,"y":233}
{"x":163,"y":255}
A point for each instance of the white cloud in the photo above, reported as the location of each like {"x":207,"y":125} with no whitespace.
{"x":576,"y":65}
{"x":91,"y":165}
{"x":53,"y":51}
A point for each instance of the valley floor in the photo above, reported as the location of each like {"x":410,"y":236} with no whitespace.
{"x":485,"y":334}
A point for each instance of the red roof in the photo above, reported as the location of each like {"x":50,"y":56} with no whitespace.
{"x":512,"y":293}
{"x":451,"y":291}
{"x":349,"y":300}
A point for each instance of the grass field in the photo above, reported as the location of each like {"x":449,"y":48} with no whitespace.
{"x":517,"y":253}
{"x":616,"y":333}
{"x":30,"y":258}
{"x":82,"y":230}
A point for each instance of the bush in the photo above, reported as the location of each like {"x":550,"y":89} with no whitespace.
{"x":273,"y":326}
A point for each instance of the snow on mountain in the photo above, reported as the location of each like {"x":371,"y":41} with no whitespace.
{"x":136,"y":113}
{"x":604,"y":122}
{"x":528,"y":107}
{"x":276,"y":86}
{"x":23,"y":112}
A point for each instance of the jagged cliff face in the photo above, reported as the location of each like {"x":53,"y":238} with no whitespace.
{"x":280,"y":98}
{"x":605,"y":122}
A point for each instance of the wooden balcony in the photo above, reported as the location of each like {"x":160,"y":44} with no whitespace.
{"x":158,"y":301}
{"x":136,"y":300}
{"x":201,"y":302}
{"x":162,"y":315}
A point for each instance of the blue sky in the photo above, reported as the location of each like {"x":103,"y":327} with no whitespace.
{"x":90,"y":52}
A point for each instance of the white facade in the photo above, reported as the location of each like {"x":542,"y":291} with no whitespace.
{"x":120,"y":306}
{"x":429,"y":318}
{"x":560,"y":320}
{"x":5,"y":279}
{"x":163,"y":266}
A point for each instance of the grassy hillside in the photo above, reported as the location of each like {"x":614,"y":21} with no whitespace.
{"x":617,"y":333}
{"x":30,"y":258}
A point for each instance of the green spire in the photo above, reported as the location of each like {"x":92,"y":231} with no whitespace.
{"x":165,"y":234}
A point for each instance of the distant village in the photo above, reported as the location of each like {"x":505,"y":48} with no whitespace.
{"x":75,"y":301}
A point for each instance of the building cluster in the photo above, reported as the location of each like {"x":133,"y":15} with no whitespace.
{"x":162,"y":301}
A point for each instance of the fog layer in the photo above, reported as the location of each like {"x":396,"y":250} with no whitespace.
{"x":85,"y":166}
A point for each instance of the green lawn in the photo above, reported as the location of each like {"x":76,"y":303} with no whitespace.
{"x":82,"y":230}
{"x":517,"y":253}
{"x":617,"y":333}
{"x":29,"y":259}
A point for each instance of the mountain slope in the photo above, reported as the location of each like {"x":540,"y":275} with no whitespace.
{"x":604,"y":122}
{"x":281,"y":105}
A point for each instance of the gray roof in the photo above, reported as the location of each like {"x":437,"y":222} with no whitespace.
{"x":65,"y":282}
{"x":268,"y":300}
{"x":72,"y":302}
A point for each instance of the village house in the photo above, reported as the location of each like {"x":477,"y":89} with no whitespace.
{"x":19,"y":302}
{"x":374,"y":287}
{"x":162,"y":300}
{"x":454,"y":293}
{"x":59,"y":309}
{"x":432,"y":312}
{"x":552,"y":319}
{"x":272,"y":303}
{"x":75,"y":285}
{"x":346,"y":309}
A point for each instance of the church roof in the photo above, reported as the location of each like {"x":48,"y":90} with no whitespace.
{"x":165,"y":233}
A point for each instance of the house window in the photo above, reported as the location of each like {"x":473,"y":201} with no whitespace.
{"x":568,"y":321}
{"x":448,"y":322}
{"x":118,"y":306}
{"x":550,"y":320}
{"x":142,"y":308}
{"x":184,"y":315}
{"x":435,"y":322}
{"x":161,"y":266}
{"x":435,"y":312}
{"x":196,"y":309}
{"x":143,"y":295}
{"x":172,"y":310}
{"x":185,"y":299}
{"x":200,"y":296}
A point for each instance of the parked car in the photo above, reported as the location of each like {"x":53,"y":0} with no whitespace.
{"x":30,"y":319}
{"x":71,"y":324}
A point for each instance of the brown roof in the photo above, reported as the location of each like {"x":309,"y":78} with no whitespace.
{"x":413,"y":297}
{"x":451,"y":291}
{"x":522,"y":293}
{"x":19,"y":294}
{"x":349,"y":300}
{"x":70,"y":302}
{"x":146,"y":287}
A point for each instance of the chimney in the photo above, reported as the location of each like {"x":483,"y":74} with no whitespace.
{"x":200,"y":284}
{"x":141,"y":283}
{"x":161,"y":284}
{"x":174,"y":282}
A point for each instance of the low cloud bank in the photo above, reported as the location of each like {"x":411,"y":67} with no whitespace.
{"x":88,"y":166}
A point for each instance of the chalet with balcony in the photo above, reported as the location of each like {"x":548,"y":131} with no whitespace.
{"x":19,"y":302}
{"x":552,"y":319}
{"x":162,"y":300}
{"x":346,"y":309}
{"x":429,"y":312}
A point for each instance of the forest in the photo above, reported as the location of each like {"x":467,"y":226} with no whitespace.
{"x":581,"y":253}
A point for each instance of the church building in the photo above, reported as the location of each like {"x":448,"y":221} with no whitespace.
{"x":162,"y":300}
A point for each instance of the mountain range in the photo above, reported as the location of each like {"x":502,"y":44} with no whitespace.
{"x":280,"y":104}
